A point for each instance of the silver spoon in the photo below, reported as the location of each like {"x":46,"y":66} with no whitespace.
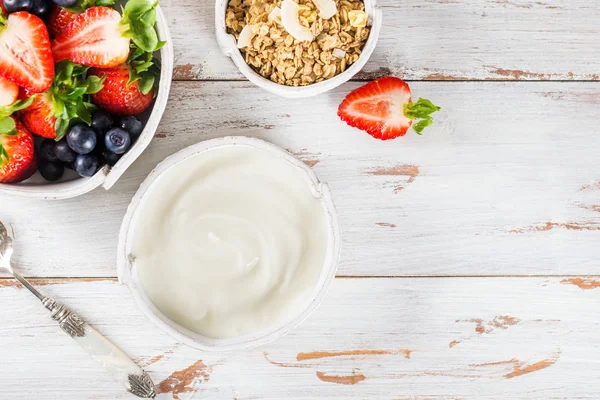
{"x":135,"y":379}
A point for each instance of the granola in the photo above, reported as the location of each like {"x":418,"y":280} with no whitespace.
{"x":273,"y":52}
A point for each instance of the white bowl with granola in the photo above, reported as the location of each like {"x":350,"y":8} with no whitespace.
{"x":298,"y":48}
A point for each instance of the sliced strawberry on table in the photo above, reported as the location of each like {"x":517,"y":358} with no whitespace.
{"x":383,"y":108}
{"x":128,"y":88}
{"x":17,"y":149}
{"x":53,"y":111}
{"x":100,"y":37}
{"x":25,"y":53}
{"x":9,"y":92}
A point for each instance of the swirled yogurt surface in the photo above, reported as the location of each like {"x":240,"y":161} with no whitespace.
{"x":230,"y":241}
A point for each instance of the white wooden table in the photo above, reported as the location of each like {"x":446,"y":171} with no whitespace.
{"x":471,"y":255}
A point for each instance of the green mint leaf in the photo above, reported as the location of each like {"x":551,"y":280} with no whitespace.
{"x":146,"y":83}
{"x":421,"y":110}
{"x":8,"y":126}
{"x":105,"y":3}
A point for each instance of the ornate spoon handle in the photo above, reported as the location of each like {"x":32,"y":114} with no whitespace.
{"x":110,"y":356}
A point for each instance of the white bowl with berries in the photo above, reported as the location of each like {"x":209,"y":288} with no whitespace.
{"x":82,"y":90}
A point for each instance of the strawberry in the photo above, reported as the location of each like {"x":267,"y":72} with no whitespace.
{"x":100,"y":37}
{"x":17,"y":150}
{"x":129,"y":88}
{"x":383,"y":108}
{"x":53,"y":111}
{"x":9,"y":92}
{"x":3,"y":7}
{"x":58,"y":20}
{"x":61,"y":17}
{"x":25,"y":53}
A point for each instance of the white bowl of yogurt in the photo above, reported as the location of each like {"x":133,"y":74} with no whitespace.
{"x":229,"y":244}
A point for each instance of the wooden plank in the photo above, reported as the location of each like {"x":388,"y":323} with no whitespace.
{"x":506,"y":182}
{"x":434,"y":40}
{"x":414,"y":338}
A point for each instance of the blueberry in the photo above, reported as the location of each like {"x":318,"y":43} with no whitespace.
{"x":17,"y":5}
{"x":81,"y":139}
{"x":101,"y":121}
{"x":63,"y":152}
{"x":70,"y":165}
{"x":47,"y":151}
{"x":51,"y":171}
{"x":132,"y":125}
{"x":117,"y":140}
{"x":65,"y":3}
{"x":110,"y":158}
{"x":86,"y":165}
{"x":41,"y":8}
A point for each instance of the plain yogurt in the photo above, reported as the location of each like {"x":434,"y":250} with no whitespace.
{"x":230,"y":241}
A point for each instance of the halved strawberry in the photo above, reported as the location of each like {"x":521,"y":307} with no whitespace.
{"x":53,"y":111}
{"x":17,"y":151}
{"x":383,"y":108}
{"x":25,"y":53}
{"x":100,"y":38}
{"x":58,"y":20}
{"x":61,"y":17}
{"x":129,"y":88}
{"x":9,"y":92}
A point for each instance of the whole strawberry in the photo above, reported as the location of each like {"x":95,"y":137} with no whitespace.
{"x":17,"y":149}
{"x":384,"y":109}
{"x":25,"y":53}
{"x":129,"y":88}
{"x":64,"y":104}
{"x":100,"y":37}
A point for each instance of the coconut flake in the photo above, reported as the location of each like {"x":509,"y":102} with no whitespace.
{"x":246,"y":36}
{"x":327,"y":8}
{"x":338,"y":53}
{"x":275,"y":15}
{"x":289,"y":19}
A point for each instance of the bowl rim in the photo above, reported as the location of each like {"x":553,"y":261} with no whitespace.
{"x":128,"y":276}
{"x":228,"y":46}
{"x":108,"y":176}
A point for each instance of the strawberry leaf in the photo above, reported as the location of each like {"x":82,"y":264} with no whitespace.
{"x":83,"y":5}
{"x":16,"y":106}
{"x":3,"y":153}
{"x":146,"y":84}
{"x":94,"y":84}
{"x":143,"y":68}
{"x":422,"y":124}
{"x":139,"y":17}
{"x":61,"y":126}
{"x":8,"y":126}
{"x":421,"y":110}
{"x":70,"y":91}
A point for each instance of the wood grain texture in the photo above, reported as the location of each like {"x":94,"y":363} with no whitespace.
{"x":502,"y":184}
{"x":434,"y":40}
{"x":386,"y":338}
